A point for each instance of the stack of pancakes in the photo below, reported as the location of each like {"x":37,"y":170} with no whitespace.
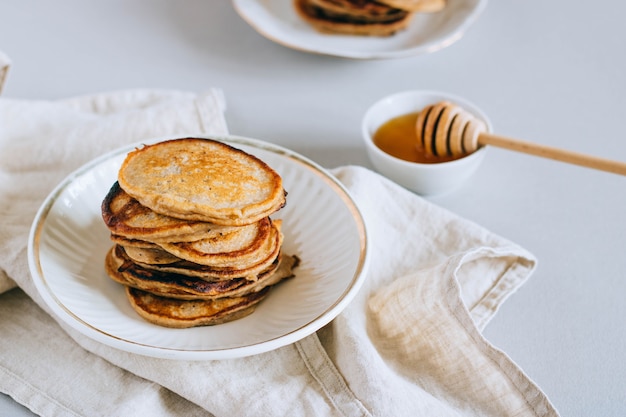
{"x":194,"y":243}
{"x":363,"y":17}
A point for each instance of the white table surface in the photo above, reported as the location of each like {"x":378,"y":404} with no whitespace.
{"x":551,"y":72}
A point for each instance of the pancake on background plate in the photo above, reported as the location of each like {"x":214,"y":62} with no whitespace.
{"x":421,"y":6}
{"x":363,"y":17}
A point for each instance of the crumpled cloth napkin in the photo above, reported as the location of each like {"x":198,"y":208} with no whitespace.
{"x":408,"y":345}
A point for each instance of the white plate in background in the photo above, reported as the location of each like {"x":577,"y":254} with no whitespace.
{"x":278,"y":21}
{"x":322,"y":225}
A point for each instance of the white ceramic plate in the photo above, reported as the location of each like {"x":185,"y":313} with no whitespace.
{"x":427,"y":32}
{"x":322,"y":225}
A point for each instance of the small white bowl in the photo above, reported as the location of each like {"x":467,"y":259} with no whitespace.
{"x":423,"y":179}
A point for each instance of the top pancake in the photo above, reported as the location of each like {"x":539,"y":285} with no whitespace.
{"x":203,"y":180}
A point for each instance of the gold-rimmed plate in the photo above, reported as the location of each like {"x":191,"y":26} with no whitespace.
{"x":321,"y":223}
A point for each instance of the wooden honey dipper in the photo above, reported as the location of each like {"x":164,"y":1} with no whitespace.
{"x":445,"y":129}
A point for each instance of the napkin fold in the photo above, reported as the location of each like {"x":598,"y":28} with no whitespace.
{"x":409,"y":344}
{"x":43,"y":141}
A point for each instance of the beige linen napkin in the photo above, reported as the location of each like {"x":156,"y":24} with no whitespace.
{"x":41,"y":142}
{"x":408,"y":345}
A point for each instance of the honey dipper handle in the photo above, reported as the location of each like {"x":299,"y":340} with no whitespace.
{"x":575,"y":158}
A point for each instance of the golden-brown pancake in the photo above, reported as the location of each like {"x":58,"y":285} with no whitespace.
{"x":169,"y":312}
{"x":207,"y":273}
{"x":151,"y":256}
{"x":421,"y":6}
{"x":136,"y":243}
{"x":203,"y":180}
{"x":188,"y":288}
{"x":125,"y":216}
{"x":357,"y":11}
{"x":194,"y":243}
{"x":241,"y":249}
{"x":353,"y":17}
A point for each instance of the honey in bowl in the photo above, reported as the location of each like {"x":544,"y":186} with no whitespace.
{"x":396,"y":137}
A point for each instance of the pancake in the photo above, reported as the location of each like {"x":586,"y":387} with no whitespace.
{"x":353,"y":17}
{"x":421,"y":6}
{"x":136,"y":243}
{"x":357,"y":11}
{"x":183,"y":267}
{"x":249,"y":246}
{"x":125,"y":216}
{"x":189,"y":288}
{"x":151,"y":256}
{"x":202,"y":180}
{"x":181,"y":314}
{"x":194,"y":241}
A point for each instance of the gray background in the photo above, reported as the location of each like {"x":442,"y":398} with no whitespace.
{"x":549,"y":72}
